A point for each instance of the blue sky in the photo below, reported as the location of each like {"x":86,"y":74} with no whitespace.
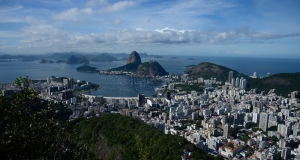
{"x":250,"y":28}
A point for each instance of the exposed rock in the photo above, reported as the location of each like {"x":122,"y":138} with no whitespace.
{"x":151,"y":68}
{"x":134,"y":57}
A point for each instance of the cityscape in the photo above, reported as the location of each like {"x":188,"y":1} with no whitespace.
{"x":149,"y":80}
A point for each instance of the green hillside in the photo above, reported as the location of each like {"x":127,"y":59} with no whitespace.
{"x":131,"y":139}
{"x":87,"y":68}
{"x":102,"y":58}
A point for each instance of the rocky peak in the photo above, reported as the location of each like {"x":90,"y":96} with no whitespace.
{"x":134,"y":57}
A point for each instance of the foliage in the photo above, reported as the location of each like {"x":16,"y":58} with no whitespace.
{"x":137,"y":139}
{"x":27,"y":132}
{"x":188,"y":88}
{"x":87,"y":68}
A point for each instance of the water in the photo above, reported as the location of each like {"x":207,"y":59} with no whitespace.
{"x":124,"y":86}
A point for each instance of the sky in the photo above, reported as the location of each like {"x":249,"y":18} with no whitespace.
{"x":239,"y":28}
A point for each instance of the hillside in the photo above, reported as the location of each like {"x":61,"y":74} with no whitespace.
{"x":77,"y":60}
{"x":151,"y":68}
{"x":87,"y":68}
{"x":102,"y":58}
{"x":208,"y":70}
{"x":283,"y":83}
{"x":43,"y":61}
{"x":114,"y":136}
{"x":131,"y":67}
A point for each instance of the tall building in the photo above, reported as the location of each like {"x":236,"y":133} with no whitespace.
{"x":254,"y":75}
{"x":237,"y":82}
{"x":241,"y":81}
{"x":141,"y":98}
{"x":226,"y":130}
{"x":244,"y":84}
{"x":233,"y":82}
{"x":230,"y":76}
{"x":66,"y":83}
{"x":71,"y":83}
{"x":268,"y":74}
{"x":168,"y":95}
{"x":263,"y":121}
{"x":284,"y":130}
{"x":255,"y":117}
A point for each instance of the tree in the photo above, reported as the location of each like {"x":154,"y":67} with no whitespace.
{"x":27,"y":132}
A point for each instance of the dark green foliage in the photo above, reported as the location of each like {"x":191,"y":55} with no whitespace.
{"x":283,"y":83}
{"x":274,"y":140}
{"x":27,"y":130}
{"x":151,"y":68}
{"x":137,"y":139}
{"x":131,"y":67}
{"x":87,"y":68}
{"x":273,"y":128}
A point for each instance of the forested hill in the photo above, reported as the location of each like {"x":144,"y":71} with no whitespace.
{"x":114,"y":136}
{"x":283,"y":83}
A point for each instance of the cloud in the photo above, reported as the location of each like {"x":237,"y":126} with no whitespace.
{"x":118,"y":6}
{"x":96,"y":3}
{"x":73,"y":14}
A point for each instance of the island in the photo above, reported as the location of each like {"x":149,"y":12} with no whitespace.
{"x":189,"y":66}
{"x":190,"y":59}
{"x":60,"y":61}
{"x":102,"y":58}
{"x":87,"y":68}
{"x":43,"y":61}
{"x":77,"y":60}
{"x":174,"y":58}
{"x":135,"y":66}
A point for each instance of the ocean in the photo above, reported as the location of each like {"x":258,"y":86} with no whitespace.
{"x":124,"y":86}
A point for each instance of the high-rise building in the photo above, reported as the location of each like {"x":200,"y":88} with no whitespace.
{"x":284,"y":130}
{"x":141,"y":98}
{"x":263,"y":121}
{"x":244,"y":84}
{"x":268,"y":74}
{"x":237,"y":82}
{"x":66,"y":83}
{"x":71,"y":83}
{"x":233,"y":82}
{"x":255,"y":117}
{"x":254,"y":75}
{"x":230,"y":76}
{"x":286,"y":153}
{"x":168,"y":95}
{"x":241,"y":81}
{"x":226,"y":130}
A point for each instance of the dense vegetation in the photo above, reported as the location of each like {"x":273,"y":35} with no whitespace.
{"x":283,"y":83}
{"x":87,"y":68}
{"x":208,"y":70}
{"x":151,"y":68}
{"x":137,"y":139}
{"x":131,"y":67}
{"x":28,"y":128}
{"x":46,"y":61}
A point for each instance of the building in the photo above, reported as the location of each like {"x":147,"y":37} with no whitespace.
{"x":230,"y":76}
{"x":168,"y":95}
{"x":226,"y":130}
{"x":237,"y":82}
{"x":254,"y":75}
{"x":263,"y":121}
{"x":141,"y":98}
{"x":231,"y":148}
{"x":255,"y":117}
{"x":67,"y":94}
{"x":284,"y":130}
{"x":66,"y":83}
{"x":71,"y":83}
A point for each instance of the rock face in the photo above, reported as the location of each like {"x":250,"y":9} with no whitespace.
{"x":151,"y":68}
{"x":77,"y":60}
{"x":134,"y":57}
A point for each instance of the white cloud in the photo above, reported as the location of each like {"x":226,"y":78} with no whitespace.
{"x":96,"y":3}
{"x":118,"y":6}
{"x":73,"y":14}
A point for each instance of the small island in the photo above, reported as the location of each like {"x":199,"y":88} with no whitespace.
{"x":174,"y":58}
{"x":87,"y":68}
{"x":190,"y":59}
{"x":60,"y":61}
{"x":189,"y":66}
{"x":43,"y":61}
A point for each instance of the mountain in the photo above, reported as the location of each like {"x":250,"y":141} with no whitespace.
{"x":46,"y":61}
{"x":113,"y":136}
{"x":283,"y":83}
{"x":134,"y":64}
{"x":102,"y":58}
{"x":208,"y":70}
{"x":151,"y":68}
{"x":134,"y":57}
{"x":77,"y":60}
{"x":152,"y":56}
{"x":87,"y":68}
{"x":60,"y":61}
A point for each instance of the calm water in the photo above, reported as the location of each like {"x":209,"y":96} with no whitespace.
{"x":123,"y":86}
